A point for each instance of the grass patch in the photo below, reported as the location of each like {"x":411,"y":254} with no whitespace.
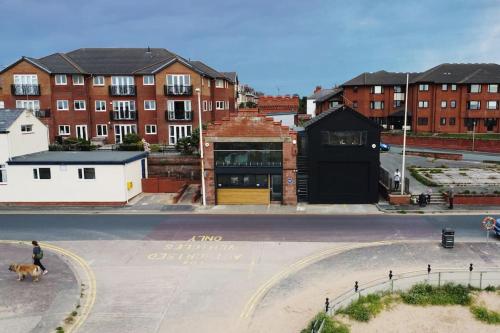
{"x":436,"y":171}
{"x":448,"y":294}
{"x":366,"y":307}
{"x":415,"y":174}
{"x":331,"y":325}
{"x":493,"y":162}
{"x":483,"y":314}
{"x":402,"y":211}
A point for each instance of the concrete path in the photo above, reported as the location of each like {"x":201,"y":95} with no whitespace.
{"x":37,"y":307}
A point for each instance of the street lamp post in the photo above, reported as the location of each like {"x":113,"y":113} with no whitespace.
{"x":404,"y":137}
{"x":200,"y":126}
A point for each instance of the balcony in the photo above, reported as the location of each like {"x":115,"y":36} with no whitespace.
{"x":42,"y":113}
{"x":25,"y":89}
{"x":178,"y":90}
{"x":178,"y":115}
{"x":128,"y":90}
{"x":123,"y":115}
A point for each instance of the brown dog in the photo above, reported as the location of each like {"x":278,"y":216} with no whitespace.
{"x":26,"y":269}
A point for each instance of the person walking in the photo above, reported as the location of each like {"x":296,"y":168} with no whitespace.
{"x":37,"y":256}
{"x":450,"y":197}
{"x":397,"y":179}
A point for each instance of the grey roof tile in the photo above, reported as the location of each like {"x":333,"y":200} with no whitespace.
{"x":461,"y":73}
{"x":207,"y":69}
{"x":380,"y":78}
{"x":326,"y":96}
{"x":79,"y":157}
{"x":232,"y":76}
{"x":8,"y":117}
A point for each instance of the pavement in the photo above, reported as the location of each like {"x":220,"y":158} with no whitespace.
{"x":37,"y":307}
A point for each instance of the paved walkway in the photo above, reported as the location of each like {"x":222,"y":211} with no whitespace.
{"x":36,"y":307}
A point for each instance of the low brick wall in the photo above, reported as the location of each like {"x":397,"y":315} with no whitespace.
{"x":398,"y":199}
{"x":67,"y":204}
{"x":174,"y":166}
{"x":491,"y":146}
{"x":163,"y":185}
{"x":443,"y":156}
{"x":475,"y":199}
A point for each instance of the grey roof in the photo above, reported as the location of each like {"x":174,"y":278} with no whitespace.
{"x":337,"y":109}
{"x":321,"y":116}
{"x":232,"y":76}
{"x":326,"y":96}
{"x":461,"y":73}
{"x":320,"y":93}
{"x":207,"y":70}
{"x":78,"y":157}
{"x":8,"y":117}
{"x":58,"y":63}
{"x":379,"y":78}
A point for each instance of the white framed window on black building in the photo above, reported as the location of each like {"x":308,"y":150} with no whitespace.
{"x":102,"y":130}
{"x":150,"y":129}
{"x":86,"y":173}
{"x":64,"y":130}
{"x":41,"y":173}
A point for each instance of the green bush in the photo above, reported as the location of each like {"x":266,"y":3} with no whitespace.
{"x":421,"y":178}
{"x":448,"y":294}
{"x":490,"y":288}
{"x":331,"y":325}
{"x":131,"y":138}
{"x":365,"y":308}
{"x":483,"y":314}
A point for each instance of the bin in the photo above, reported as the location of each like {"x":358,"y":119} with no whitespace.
{"x":447,"y":238}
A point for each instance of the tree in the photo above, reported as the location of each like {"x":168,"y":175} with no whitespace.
{"x":302,"y":105}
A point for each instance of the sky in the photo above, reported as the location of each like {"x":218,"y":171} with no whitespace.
{"x":278,"y":47}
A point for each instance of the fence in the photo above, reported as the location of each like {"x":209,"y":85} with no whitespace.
{"x":387,"y":181}
{"x":475,"y":278}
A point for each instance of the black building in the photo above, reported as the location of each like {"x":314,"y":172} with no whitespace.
{"x":339,"y":158}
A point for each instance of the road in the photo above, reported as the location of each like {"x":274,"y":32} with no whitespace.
{"x":278,"y":228}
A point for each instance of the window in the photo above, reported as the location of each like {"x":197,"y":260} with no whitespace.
{"x":79,"y":105}
{"x":248,"y":154}
{"x":492,"y":88}
{"x":355,"y":89}
{"x":86,"y":173}
{"x":100,"y":106}
{"x":444,"y":87}
{"x":341,"y":138}
{"x":442,"y":121}
{"x":219,"y":105}
{"x":124,"y":110}
{"x":422,"y":121}
{"x":205,"y":106}
{"x":2,"y":104}
{"x":102,"y":130}
{"x":243,"y":181}
{"x":62,"y":105}
{"x":453,"y":87}
{"x":423,"y":87}
{"x":473,"y":105}
{"x":150,"y":129}
{"x":176,"y":132}
{"x":29,"y":105}
{"x":354,"y":104}
{"x":25,"y":84}
{"x":179,"y":110}
{"x":219,"y":83}
{"x":377,"y":105}
{"x":452,"y":121}
{"x":377,"y":89}
{"x":3,"y":173}
{"x":474,"y":88}
{"x":41,"y":173}
{"x":148,"y":80}
{"x":453,"y":104}
{"x":64,"y":130}
{"x":443,"y":104}
{"x":77,"y":80}
{"x":61,"y":80}
{"x":98,"y":80}
{"x":209,"y":82}
{"x":210,"y":106}
{"x":423,"y":104}
{"x":398,"y":89}
{"x":492,"y":105}
{"x":150,"y":105}
{"x":26,"y":129}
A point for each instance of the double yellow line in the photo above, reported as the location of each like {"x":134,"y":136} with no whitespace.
{"x":89,"y":278}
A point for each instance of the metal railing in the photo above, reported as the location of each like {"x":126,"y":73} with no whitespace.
{"x":122,"y":90}
{"x":25,"y":89}
{"x":178,"y":90}
{"x":400,"y":282}
{"x":387,"y":180}
{"x":123,"y":115}
{"x":44,"y":113}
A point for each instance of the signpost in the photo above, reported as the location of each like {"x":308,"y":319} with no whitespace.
{"x":488,"y":224}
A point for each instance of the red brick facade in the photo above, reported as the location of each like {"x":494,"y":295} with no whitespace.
{"x":50,"y":93}
{"x":278,"y":104}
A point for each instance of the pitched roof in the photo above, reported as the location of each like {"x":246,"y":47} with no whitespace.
{"x":8,"y":117}
{"x":209,"y":71}
{"x":326,"y":96}
{"x":232,"y":76}
{"x":379,"y":78}
{"x":78,"y":157}
{"x":461,"y":73}
{"x":335,"y":110}
{"x":320,"y":93}
{"x":58,"y":63}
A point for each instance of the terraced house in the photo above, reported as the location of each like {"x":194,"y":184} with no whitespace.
{"x":107,"y":93}
{"x":448,"y":98}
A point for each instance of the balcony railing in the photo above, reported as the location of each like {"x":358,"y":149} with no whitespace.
{"x":42,"y":113}
{"x":25,"y":89}
{"x":178,"y":115}
{"x":128,"y":90}
{"x":123,"y":115}
{"x":178,"y":90}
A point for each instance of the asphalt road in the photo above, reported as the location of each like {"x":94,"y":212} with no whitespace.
{"x":281,"y":228}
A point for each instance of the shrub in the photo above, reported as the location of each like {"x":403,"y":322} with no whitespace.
{"x":490,"y":288}
{"x":422,"y":179}
{"x":331,"y":325}
{"x":448,"y":294}
{"x":483,"y":314}
{"x":131,"y":138}
{"x":365,"y":308}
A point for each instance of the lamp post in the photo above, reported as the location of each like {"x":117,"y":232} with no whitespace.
{"x":200,"y":124}
{"x":404,"y":138}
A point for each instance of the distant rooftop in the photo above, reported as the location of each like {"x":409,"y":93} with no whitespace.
{"x":8,"y":117}
{"x":78,"y":157}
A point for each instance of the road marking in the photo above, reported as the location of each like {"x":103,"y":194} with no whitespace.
{"x":205,"y":238}
{"x":90,"y":291}
{"x":252,"y":303}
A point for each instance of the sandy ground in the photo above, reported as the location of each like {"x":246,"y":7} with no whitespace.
{"x":490,"y":300}
{"x":436,"y":319}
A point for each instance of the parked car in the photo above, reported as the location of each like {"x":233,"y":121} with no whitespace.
{"x":497,"y":227}
{"x":384,"y":147}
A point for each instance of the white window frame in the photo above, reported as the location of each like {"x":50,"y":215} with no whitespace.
{"x":79,"y":102}
{"x":444,"y":87}
{"x":36,"y":174}
{"x":227,"y":105}
{"x":210,"y":106}
{"x":178,"y":80}
{"x":205,"y":105}
{"x":100,"y":102}
{"x":103,"y":128}
{"x":453,"y":87}
{"x":2,"y":105}
{"x":77,"y":82}
{"x":453,"y":104}
{"x":150,"y":129}
{"x":146,"y":80}
{"x":62,"y":108}
{"x":444,"y":104}
{"x":61,"y":80}
{"x":3,"y":173}
{"x":423,"y":104}
{"x":98,"y":80}
{"x":378,"y":90}
{"x":423,"y":87}
{"x":150,"y":102}
{"x":81,"y":174}
{"x":219,"y":83}
{"x":492,"y":108}
{"x":209,"y":82}
{"x":490,"y":88}
{"x":219,"y":105}
{"x":172,"y":129}
{"x":27,"y":128}
{"x":62,"y":130}
{"x":27,"y":79}
{"x":477,"y":90}
{"x":478,"y":103}
{"x":32,"y":104}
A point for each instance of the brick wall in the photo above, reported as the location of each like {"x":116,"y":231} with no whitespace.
{"x":271,"y":104}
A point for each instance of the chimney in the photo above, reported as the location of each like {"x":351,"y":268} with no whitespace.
{"x":318,"y":88}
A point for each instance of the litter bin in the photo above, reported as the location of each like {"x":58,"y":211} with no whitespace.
{"x":447,"y":238}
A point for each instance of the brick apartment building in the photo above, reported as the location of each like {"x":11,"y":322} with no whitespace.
{"x":281,"y":108}
{"x":106,"y":93}
{"x":448,"y":98}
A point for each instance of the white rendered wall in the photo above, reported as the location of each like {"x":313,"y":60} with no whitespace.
{"x":286,"y":119}
{"x":4,"y":148}
{"x":133,"y":173}
{"x":311,"y":107}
